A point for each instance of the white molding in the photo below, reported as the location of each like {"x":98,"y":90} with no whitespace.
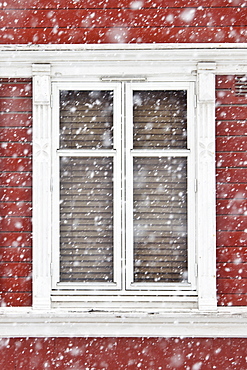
{"x":65,"y":323}
{"x":206,"y":209}
{"x":41,"y":186}
{"x":142,"y":46}
{"x":17,"y":60}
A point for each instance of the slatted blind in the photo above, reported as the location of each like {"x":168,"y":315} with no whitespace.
{"x":160,"y":120}
{"x":160,"y":187}
{"x":86,"y":119}
{"x":86,"y":188}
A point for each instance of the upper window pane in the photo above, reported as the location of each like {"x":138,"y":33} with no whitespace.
{"x":160,"y":119}
{"x":86,"y":119}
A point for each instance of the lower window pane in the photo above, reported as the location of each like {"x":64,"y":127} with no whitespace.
{"x":160,"y":219}
{"x":86,"y":219}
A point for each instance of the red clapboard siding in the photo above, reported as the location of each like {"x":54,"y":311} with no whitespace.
{"x":228,"y":128}
{"x":231,"y":238}
{"x":131,"y":4}
{"x":159,"y":17}
{"x":232,"y":300}
{"x":232,"y":175}
{"x":15,"y":299}
{"x":21,"y":89}
{"x":231,"y":112}
{"x":15,"y":192}
{"x":232,"y":159}
{"x":15,"y":254}
{"x":231,"y":167}
{"x":234,"y":270}
{"x":16,"y":239}
{"x":15,"y":149}
{"x":15,"y":284}
{"x":236,"y":191}
{"x":16,"y":134}
{"x":16,"y":120}
{"x":231,"y":223}
{"x":15,"y":179}
{"x":15,"y":224}
{"x":224,"y":83}
{"x":231,"y":207}
{"x":123,"y":34}
{"x":126,"y":21}
{"x":16,"y":164}
{"x":127,"y":353}
{"x":15,"y":105}
{"x":236,"y":143}
{"x":235,"y":254}
{"x":232,"y":286}
{"x":16,"y":269}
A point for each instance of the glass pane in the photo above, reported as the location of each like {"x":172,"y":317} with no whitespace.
{"x":160,"y":219}
{"x":160,"y":119}
{"x":86,"y":219}
{"x":86,"y":119}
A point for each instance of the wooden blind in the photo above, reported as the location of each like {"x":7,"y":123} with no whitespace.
{"x":160,"y":120}
{"x":86,"y":231}
{"x":86,"y":119}
{"x":86,"y":188}
{"x":160,"y":187}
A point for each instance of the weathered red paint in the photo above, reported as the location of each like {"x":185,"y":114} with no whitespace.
{"x":123,"y":353}
{"x":125,"y":22}
{"x":16,"y":180}
{"x":231,"y":182}
{"x":16,"y":254}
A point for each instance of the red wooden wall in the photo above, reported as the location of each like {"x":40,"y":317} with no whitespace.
{"x":121,"y":21}
{"x":131,"y":21}
{"x":15,"y":192}
{"x":231,"y":163}
{"x":123,"y":353}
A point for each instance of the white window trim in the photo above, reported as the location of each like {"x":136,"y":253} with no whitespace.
{"x":145,"y":289}
{"x":200,"y":63}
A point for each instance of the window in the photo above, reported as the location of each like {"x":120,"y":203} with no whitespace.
{"x":123,"y":188}
{"x":126,"y":162}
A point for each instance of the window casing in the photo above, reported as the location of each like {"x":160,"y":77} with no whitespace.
{"x":123,"y":156}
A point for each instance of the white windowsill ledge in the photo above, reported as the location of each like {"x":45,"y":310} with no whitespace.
{"x":27,"y":322}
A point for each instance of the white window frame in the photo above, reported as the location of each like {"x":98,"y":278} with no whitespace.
{"x":190,"y":155}
{"x":159,"y":62}
{"x":85,"y":295}
{"x":115,"y":153}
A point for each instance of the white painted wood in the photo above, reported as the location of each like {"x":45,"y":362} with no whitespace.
{"x":17,"y":60}
{"x":206,"y":220}
{"x":41,"y":186}
{"x":65,"y":323}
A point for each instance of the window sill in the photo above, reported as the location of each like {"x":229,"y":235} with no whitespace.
{"x":224,"y":322}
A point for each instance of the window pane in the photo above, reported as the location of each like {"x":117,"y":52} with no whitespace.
{"x":160,"y":119}
{"x":86,"y":219}
{"x":86,"y":119}
{"x":160,"y":219}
